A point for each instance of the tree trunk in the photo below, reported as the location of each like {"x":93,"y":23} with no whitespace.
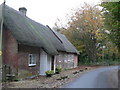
{"x":90,"y":46}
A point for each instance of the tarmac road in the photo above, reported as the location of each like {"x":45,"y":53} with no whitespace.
{"x":99,"y":78}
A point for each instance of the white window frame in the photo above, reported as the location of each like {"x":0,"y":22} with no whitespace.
{"x":34,"y":60}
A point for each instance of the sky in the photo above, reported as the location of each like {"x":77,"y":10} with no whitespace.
{"x":46,"y":12}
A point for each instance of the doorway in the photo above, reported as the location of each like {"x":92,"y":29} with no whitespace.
{"x":52,"y":63}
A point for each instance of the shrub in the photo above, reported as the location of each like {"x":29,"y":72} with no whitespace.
{"x":62,"y":78}
{"x":49,"y":73}
{"x":58,"y":70}
{"x":81,"y":70}
{"x":75,"y":72}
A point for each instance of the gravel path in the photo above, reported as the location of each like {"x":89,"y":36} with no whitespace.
{"x":52,"y":82}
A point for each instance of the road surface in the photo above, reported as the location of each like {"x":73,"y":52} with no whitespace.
{"x":99,"y":78}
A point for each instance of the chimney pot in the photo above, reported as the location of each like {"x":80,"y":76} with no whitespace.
{"x":23,"y":10}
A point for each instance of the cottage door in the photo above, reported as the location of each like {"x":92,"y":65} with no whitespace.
{"x":43,"y":62}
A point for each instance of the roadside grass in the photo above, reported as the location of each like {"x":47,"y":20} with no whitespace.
{"x":101,"y":62}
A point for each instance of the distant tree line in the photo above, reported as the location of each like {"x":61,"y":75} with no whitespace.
{"x":89,"y":31}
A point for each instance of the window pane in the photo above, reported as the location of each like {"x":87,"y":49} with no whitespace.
{"x":32,"y":59}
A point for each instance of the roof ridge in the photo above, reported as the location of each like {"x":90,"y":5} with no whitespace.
{"x":55,"y":34}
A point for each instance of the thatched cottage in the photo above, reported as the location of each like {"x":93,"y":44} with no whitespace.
{"x":30,"y":48}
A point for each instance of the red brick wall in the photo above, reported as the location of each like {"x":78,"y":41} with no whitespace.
{"x":72,"y":60}
{"x":23,"y":53}
{"x":16,"y":56}
{"x":10,"y":49}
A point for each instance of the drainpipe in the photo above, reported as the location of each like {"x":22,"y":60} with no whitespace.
{"x":1,"y":38}
{"x":1,"y":31}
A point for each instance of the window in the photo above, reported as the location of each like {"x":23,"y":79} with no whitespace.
{"x":65,"y":58}
{"x":32,"y":60}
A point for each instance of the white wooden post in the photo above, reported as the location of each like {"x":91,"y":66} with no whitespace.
{"x":54,"y":63}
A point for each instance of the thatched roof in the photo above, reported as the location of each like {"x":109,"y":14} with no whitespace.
{"x":67,"y":44}
{"x":29,"y":32}
{"x":0,"y":14}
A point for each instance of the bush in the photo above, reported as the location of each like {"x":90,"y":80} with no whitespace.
{"x":49,"y":73}
{"x":75,"y":72}
{"x":62,"y":78}
{"x":58,"y":70}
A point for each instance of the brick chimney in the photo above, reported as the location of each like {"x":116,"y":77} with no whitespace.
{"x":23,"y":10}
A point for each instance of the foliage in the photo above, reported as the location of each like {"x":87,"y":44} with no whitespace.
{"x":49,"y":73}
{"x":112,"y":20}
{"x":86,"y":30}
{"x":58,"y":69}
{"x":82,"y":30}
{"x":62,"y":78}
{"x":101,"y":61}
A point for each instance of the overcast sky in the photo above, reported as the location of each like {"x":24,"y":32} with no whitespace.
{"x":46,"y":12}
